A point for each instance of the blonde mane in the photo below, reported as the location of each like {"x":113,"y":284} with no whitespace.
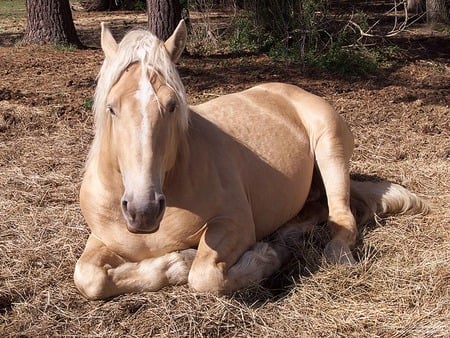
{"x":136,"y":46}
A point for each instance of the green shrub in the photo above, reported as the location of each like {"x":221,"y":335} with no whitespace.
{"x":349,"y":62}
{"x":286,"y":28}
{"x":245,"y":36}
{"x":302,"y":30}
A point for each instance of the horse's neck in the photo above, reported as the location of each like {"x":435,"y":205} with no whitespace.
{"x":181,"y":165}
{"x":195,"y":156}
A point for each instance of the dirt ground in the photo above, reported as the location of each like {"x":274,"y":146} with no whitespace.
{"x":401,"y":121}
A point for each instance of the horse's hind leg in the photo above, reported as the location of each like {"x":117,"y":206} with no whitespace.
{"x":101,"y":273}
{"x":289,"y":234}
{"x":333,"y":152}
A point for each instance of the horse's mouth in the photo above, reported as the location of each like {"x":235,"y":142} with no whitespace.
{"x":142,"y":229}
{"x":145,"y":225}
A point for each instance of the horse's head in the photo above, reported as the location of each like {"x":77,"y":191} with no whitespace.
{"x":148,"y":113}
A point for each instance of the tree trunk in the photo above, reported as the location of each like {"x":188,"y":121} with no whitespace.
{"x":98,"y":5}
{"x":416,"y":6}
{"x":163,"y":17}
{"x":50,"y":21}
{"x":437,"y":11}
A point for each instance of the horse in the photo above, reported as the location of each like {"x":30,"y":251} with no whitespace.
{"x":177,"y":194}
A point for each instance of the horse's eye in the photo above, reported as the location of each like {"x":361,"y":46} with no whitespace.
{"x":171,"y":106}
{"x":110,"y":109}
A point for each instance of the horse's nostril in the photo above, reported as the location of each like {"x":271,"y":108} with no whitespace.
{"x":125,"y":204}
{"x":161,"y":199}
{"x":162,"y":204}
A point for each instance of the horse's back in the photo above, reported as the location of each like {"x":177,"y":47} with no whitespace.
{"x":278,"y":103}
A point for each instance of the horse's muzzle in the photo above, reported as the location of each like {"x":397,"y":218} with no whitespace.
{"x":143,"y":216}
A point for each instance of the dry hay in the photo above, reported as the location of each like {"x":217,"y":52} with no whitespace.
{"x":400,"y":288}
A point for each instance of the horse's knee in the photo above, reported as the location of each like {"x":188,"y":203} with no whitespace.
{"x":207,"y":278}
{"x":90,"y":280}
{"x":254,"y":265}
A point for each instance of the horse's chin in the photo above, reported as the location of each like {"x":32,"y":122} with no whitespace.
{"x":142,"y":229}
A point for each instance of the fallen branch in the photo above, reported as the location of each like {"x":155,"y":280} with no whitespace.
{"x":396,"y":29}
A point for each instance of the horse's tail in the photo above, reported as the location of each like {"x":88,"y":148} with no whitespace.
{"x":383,"y":198}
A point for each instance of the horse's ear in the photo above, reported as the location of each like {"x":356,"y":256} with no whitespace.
{"x":109,"y":44}
{"x":177,"y":41}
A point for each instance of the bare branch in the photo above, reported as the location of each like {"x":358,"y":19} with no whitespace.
{"x":397,"y":27}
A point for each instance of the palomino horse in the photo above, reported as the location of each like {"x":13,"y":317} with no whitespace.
{"x":175,"y":194}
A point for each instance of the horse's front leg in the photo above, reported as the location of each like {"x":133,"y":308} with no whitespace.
{"x":223,"y":245}
{"x":229,"y":260}
{"x":101,"y":273}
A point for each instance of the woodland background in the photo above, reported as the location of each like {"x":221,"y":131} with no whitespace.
{"x":385,"y":73}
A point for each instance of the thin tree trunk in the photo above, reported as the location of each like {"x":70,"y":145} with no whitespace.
{"x":437,"y":11}
{"x":163,"y":17}
{"x":416,"y":6}
{"x":99,"y":5}
{"x":50,"y":21}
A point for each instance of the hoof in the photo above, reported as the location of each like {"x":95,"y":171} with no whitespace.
{"x":338,"y":252}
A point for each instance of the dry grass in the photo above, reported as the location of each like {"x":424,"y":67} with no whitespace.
{"x":400,"y":288}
